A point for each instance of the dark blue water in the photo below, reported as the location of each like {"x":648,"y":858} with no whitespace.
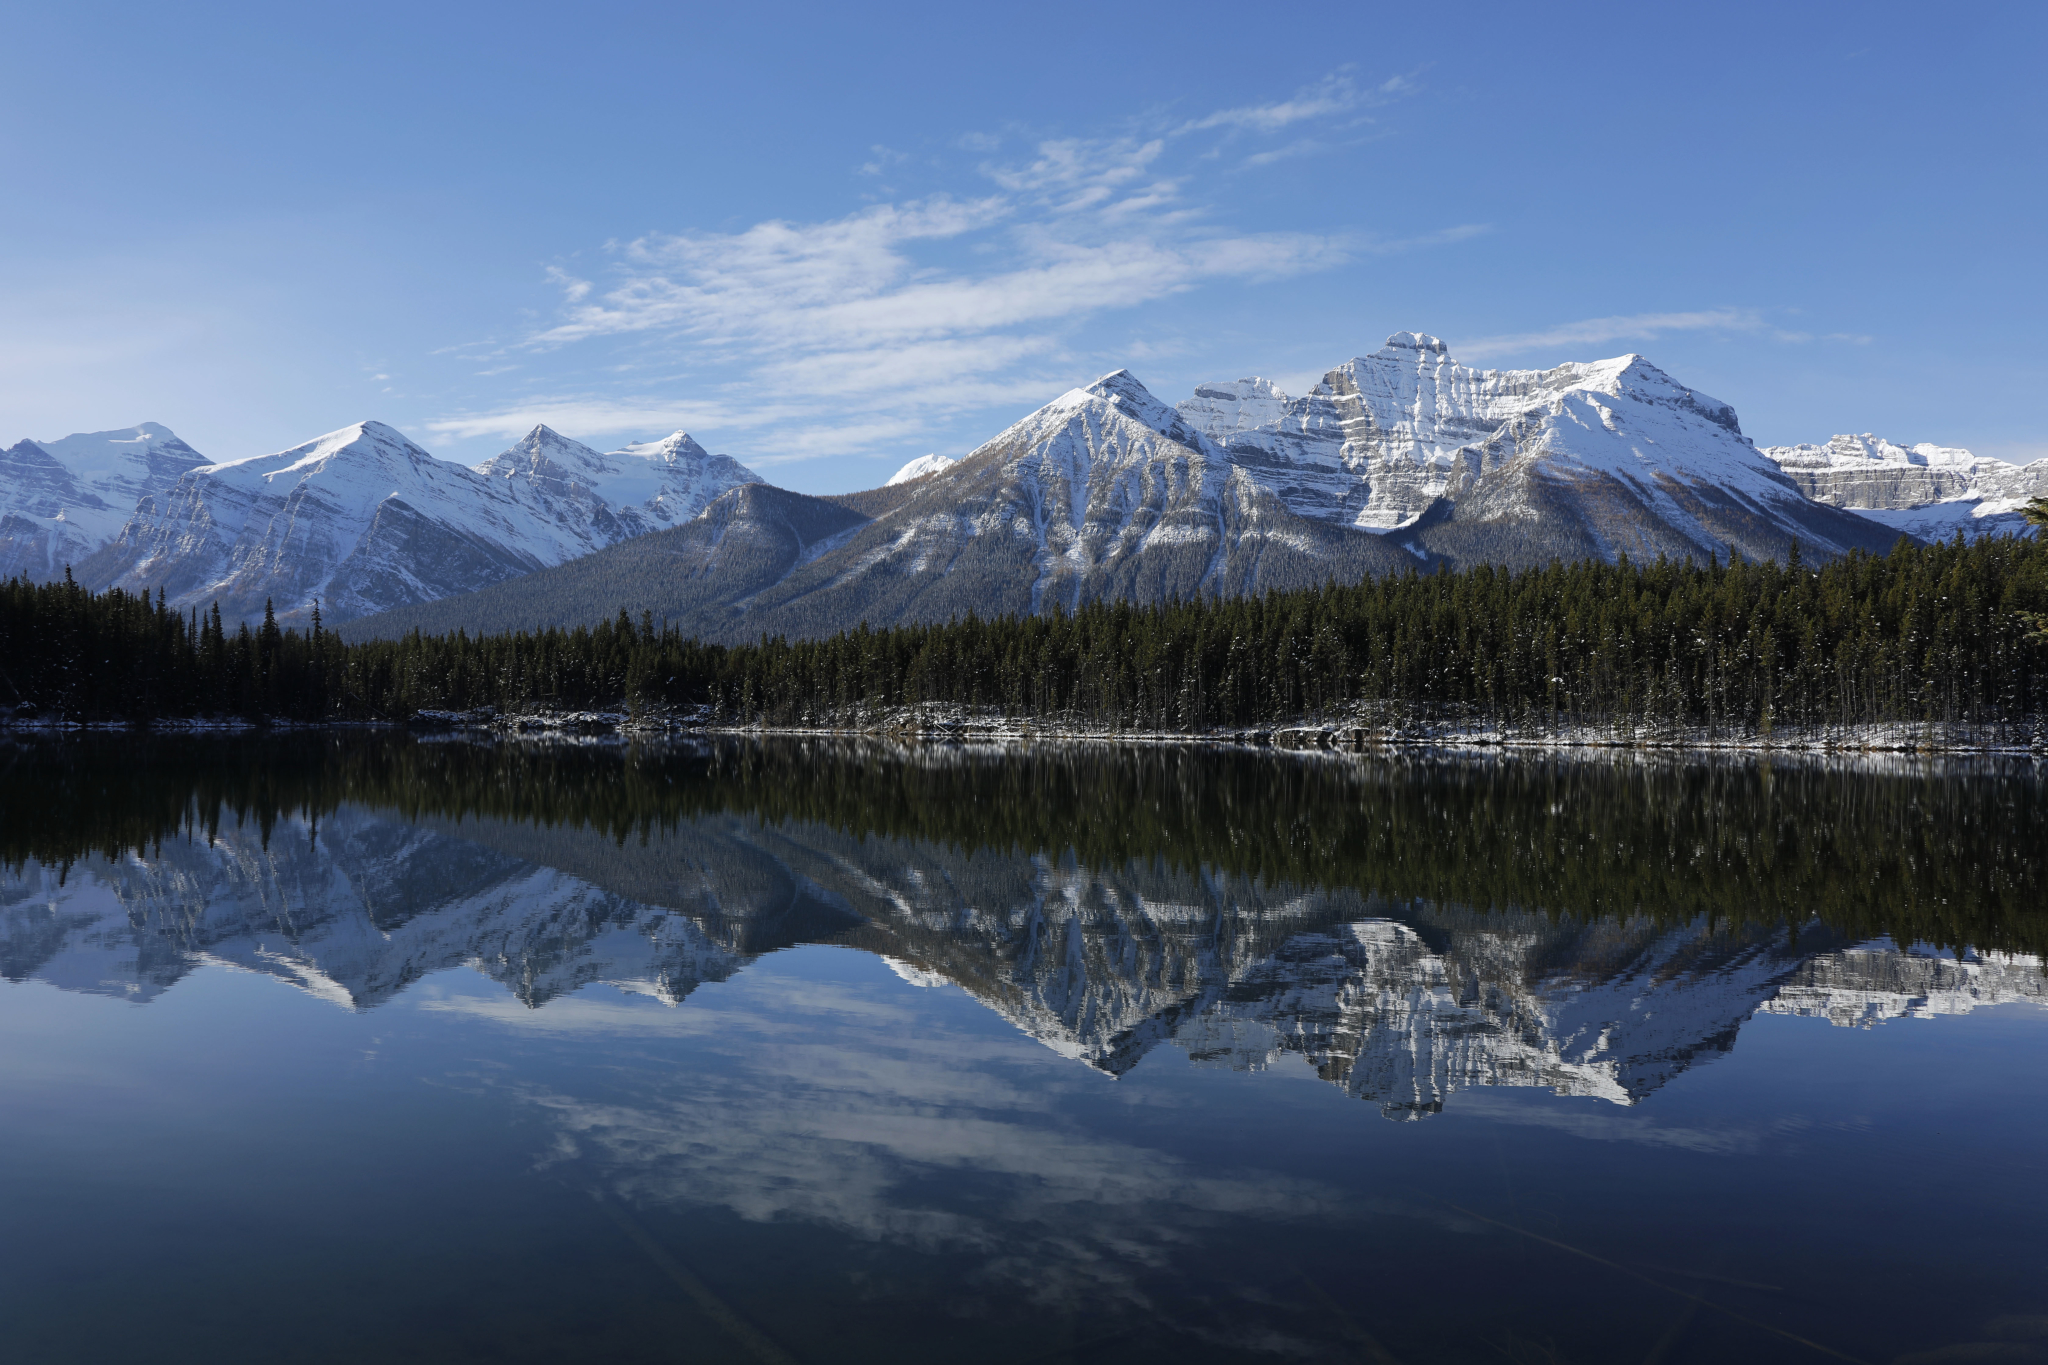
{"x":396,"y":1052}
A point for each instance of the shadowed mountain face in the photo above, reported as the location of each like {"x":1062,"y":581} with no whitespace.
{"x":701,"y":576}
{"x":1238,"y":908}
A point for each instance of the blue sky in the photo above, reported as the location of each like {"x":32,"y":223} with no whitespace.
{"x":826,"y":239}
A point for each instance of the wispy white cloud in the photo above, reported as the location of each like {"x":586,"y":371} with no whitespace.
{"x":573,"y":289}
{"x":1335,"y":94}
{"x":881,"y":159}
{"x":1647,"y":327}
{"x":597,"y":415}
{"x":1635,"y":327}
{"x":1307,"y":146}
{"x":848,"y":334}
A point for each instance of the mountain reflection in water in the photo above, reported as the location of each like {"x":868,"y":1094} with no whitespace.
{"x":1408,"y":928}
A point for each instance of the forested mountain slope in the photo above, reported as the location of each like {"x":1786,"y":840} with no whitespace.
{"x":699,"y":576}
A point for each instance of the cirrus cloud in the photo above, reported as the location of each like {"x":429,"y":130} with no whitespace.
{"x":861,"y":333}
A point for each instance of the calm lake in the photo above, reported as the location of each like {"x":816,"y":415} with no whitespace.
{"x":388,"y":1049}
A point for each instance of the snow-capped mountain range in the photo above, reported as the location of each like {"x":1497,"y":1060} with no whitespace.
{"x":1399,"y":458}
{"x":362,"y":519}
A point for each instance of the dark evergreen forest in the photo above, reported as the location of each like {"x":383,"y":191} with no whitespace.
{"x":1946,"y":633}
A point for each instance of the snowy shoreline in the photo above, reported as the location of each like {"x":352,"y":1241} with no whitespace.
{"x":946,"y":724}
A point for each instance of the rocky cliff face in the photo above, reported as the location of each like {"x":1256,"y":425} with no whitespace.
{"x":62,"y":500}
{"x":362,"y":520}
{"x":1927,"y":491}
{"x":1865,"y":985}
{"x":1585,"y":460}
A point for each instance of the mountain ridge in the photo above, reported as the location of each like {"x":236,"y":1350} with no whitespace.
{"x":61,"y":500}
{"x":362,"y":519}
{"x":1401,"y":459}
{"x":1927,"y":491}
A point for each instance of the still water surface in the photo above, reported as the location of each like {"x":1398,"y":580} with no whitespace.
{"x":390,"y":1050}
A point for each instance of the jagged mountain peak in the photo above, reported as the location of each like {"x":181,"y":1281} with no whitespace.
{"x":131,"y":442}
{"x":26,"y":450}
{"x":1122,"y":391}
{"x":540,"y":451}
{"x":367,"y":444}
{"x":545,"y":437}
{"x":1869,"y":446}
{"x":362,"y":518}
{"x":1634,"y":377}
{"x":1240,"y":389}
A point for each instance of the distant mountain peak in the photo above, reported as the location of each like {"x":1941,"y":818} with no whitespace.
{"x":919,"y":467}
{"x":1924,"y":490}
{"x":1414,"y":341}
{"x":543,"y":452}
{"x":363,"y":518}
{"x":676,"y":446}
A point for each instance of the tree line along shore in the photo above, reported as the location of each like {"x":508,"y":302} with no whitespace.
{"x":1952,"y":634}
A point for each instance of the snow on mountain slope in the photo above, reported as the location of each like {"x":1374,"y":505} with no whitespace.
{"x":1925,"y":490}
{"x":62,"y":500}
{"x":362,"y":520}
{"x":919,"y":467}
{"x":1105,"y":492}
{"x":671,"y":480}
{"x":647,"y":485}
